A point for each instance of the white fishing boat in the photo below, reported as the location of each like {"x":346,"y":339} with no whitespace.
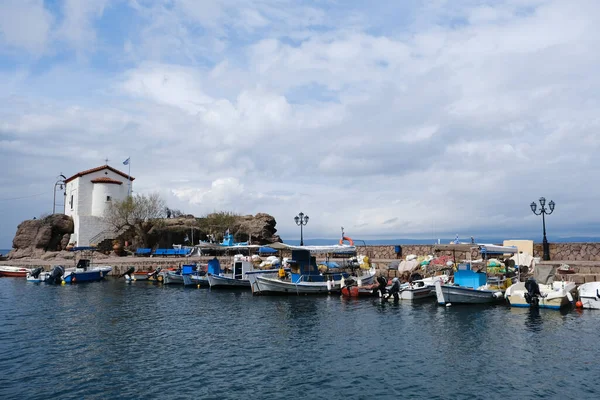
{"x":470,"y":287}
{"x":305,"y":276}
{"x":422,"y":288}
{"x":542,"y":291}
{"x":589,"y":295}
{"x":554,"y":295}
{"x":237,"y":278}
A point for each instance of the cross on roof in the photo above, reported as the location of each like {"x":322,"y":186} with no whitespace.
{"x":106,"y":160}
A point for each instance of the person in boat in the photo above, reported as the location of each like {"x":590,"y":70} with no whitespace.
{"x":281,"y":273}
{"x":395,"y":289}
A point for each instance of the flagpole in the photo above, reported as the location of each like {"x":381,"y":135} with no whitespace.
{"x":129,"y":177}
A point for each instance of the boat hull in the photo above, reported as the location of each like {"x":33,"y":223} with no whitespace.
{"x":449,"y":294}
{"x":14,"y":272}
{"x":419,"y":293}
{"x":217,"y":281}
{"x":275,"y":286}
{"x":90,"y":275}
{"x":201,"y":281}
{"x":589,"y":295}
{"x":267,"y":282}
{"x":171,"y":278}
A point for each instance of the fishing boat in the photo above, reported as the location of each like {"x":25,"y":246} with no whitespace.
{"x":14,"y":272}
{"x":54,"y":276}
{"x":85,"y":270}
{"x":542,"y":290}
{"x":240,"y":268}
{"x":305,"y":276}
{"x":131,"y":275}
{"x":181,"y":276}
{"x":469,"y":286}
{"x":421,"y":288}
{"x":589,"y":295}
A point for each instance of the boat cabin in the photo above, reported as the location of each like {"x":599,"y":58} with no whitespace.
{"x":83,"y":263}
{"x":466,"y":277}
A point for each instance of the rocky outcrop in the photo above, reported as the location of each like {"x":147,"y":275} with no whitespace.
{"x":36,"y":236}
{"x":260,"y":229}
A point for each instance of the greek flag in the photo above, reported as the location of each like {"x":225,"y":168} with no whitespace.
{"x":126,"y":162}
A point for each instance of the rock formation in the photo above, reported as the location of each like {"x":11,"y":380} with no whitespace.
{"x":45,"y":238}
{"x":36,"y":236}
{"x":260,"y":229}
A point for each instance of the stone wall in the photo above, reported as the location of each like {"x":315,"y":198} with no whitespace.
{"x":570,"y":251}
{"x":558,"y":251}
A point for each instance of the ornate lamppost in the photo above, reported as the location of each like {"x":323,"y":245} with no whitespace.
{"x":301,"y":220}
{"x":60,"y":180}
{"x":543,"y":212}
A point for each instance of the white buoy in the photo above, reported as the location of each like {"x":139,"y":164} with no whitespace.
{"x":448,"y":304}
{"x":328,"y":285}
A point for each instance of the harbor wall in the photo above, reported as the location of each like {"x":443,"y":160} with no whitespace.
{"x":558,"y":251}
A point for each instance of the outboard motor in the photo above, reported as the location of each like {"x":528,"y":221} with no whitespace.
{"x":533,"y":294}
{"x":36,"y":272}
{"x":382,"y":285}
{"x":129,"y":273}
{"x":154,"y":275}
{"x":350,"y":282}
{"x":56,"y":274}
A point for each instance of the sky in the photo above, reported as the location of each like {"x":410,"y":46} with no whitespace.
{"x":394,"y":119}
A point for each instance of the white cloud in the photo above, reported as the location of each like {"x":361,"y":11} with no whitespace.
{"x":77,"y":28}
{"x":25,"y":24}
{"x":450,"y":121}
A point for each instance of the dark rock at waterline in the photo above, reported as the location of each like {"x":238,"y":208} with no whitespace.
{"x":36,"y":236}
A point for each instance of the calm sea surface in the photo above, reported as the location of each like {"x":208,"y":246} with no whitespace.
{"x":112,"y":340}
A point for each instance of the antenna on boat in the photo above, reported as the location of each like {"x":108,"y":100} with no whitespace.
{"x":342,"y":232}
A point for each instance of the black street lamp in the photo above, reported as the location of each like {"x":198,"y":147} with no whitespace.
{"x":60,"y":180}
{"x":301,"y":220}
{"x":543,"y":213}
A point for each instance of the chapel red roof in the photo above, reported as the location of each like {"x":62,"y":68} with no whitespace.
{"x":106,"y":179}
{"x":89,"y":171}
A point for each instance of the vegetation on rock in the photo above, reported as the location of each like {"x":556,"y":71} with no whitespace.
{"x":140,"y":212}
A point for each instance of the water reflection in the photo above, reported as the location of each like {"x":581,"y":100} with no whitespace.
{"x":533,"y":322}
{"x":280,"y":347}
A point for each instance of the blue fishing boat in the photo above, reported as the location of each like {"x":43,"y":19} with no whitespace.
{"x":84,"y":270}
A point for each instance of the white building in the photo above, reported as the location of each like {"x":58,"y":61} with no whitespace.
{"x":88,"y":196}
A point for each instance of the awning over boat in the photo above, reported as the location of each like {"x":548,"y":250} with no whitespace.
{"x":493,"y":249}
{"x":316,"y":249}
{"x":265,"y":249}
{"x":483,"y":248}
{"x":84,"y":248}
{"x":466,"y":247}
{"x":217,"y":246}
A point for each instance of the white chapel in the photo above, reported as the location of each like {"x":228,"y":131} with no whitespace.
{"x":88,"y":195}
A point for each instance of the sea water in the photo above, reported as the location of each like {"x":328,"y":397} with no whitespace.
{"x":113,"y":340}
